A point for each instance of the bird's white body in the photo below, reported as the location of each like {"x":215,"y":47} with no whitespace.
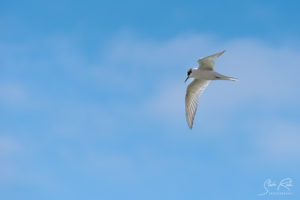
{"x":208,"y":75}
{"x":202,"y":76}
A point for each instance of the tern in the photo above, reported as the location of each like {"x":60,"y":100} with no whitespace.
{"x":202,"y":75}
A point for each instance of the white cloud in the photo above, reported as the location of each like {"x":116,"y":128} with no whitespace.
{"x":18,"y":164}
{"x":266,"y":74}
{"x":9,"y":151}
{"x":110,"y":166}
{"x":279,"y":141}
{"x":12,"y":94}
{"x":168,"y":102}
{"x":158,"y":55}
{"x":153,"y":71}
{"x":8,"y":146}
{"x":268,"y":80}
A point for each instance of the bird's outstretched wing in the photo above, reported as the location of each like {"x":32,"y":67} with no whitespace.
{"x":208,"y":62}
{"x":193,"y":91}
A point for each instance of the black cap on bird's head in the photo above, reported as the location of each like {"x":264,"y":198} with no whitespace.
{"x":188,"y":73}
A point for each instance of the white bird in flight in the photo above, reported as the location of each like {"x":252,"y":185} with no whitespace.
{"x":202,"y":76}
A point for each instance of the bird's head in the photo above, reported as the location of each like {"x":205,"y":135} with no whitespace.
{"x":188,"y":74}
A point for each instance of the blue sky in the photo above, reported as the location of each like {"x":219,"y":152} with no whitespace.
{"x":92,"y":99}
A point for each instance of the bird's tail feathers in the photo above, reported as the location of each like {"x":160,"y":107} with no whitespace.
{"x":231,"y":79}
{"x":222,"y":77}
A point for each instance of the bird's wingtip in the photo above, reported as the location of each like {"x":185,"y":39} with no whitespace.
{"x":220,"y":53}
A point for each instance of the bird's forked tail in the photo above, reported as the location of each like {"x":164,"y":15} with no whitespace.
{"x":222,"y":77}
{"x":231,"y":78}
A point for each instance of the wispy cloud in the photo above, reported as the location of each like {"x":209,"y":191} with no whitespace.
{"x":138,"y":82}
{"x":9,"y":152}
{"x":266,"y":74}
{"x":12,"y":94}
{"x":268,"y":79}
{"x":279,"y":141}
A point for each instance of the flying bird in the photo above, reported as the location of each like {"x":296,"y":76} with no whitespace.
{"x":202,"y":75}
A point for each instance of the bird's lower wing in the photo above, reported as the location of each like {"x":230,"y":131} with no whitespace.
{"x":193,"y":91}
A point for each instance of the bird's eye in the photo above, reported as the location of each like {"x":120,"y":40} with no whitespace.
{"x":189,"y":72}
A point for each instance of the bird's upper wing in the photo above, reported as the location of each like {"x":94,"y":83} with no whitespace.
{"x":208,"y":62}
{"x":193,"y":91}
